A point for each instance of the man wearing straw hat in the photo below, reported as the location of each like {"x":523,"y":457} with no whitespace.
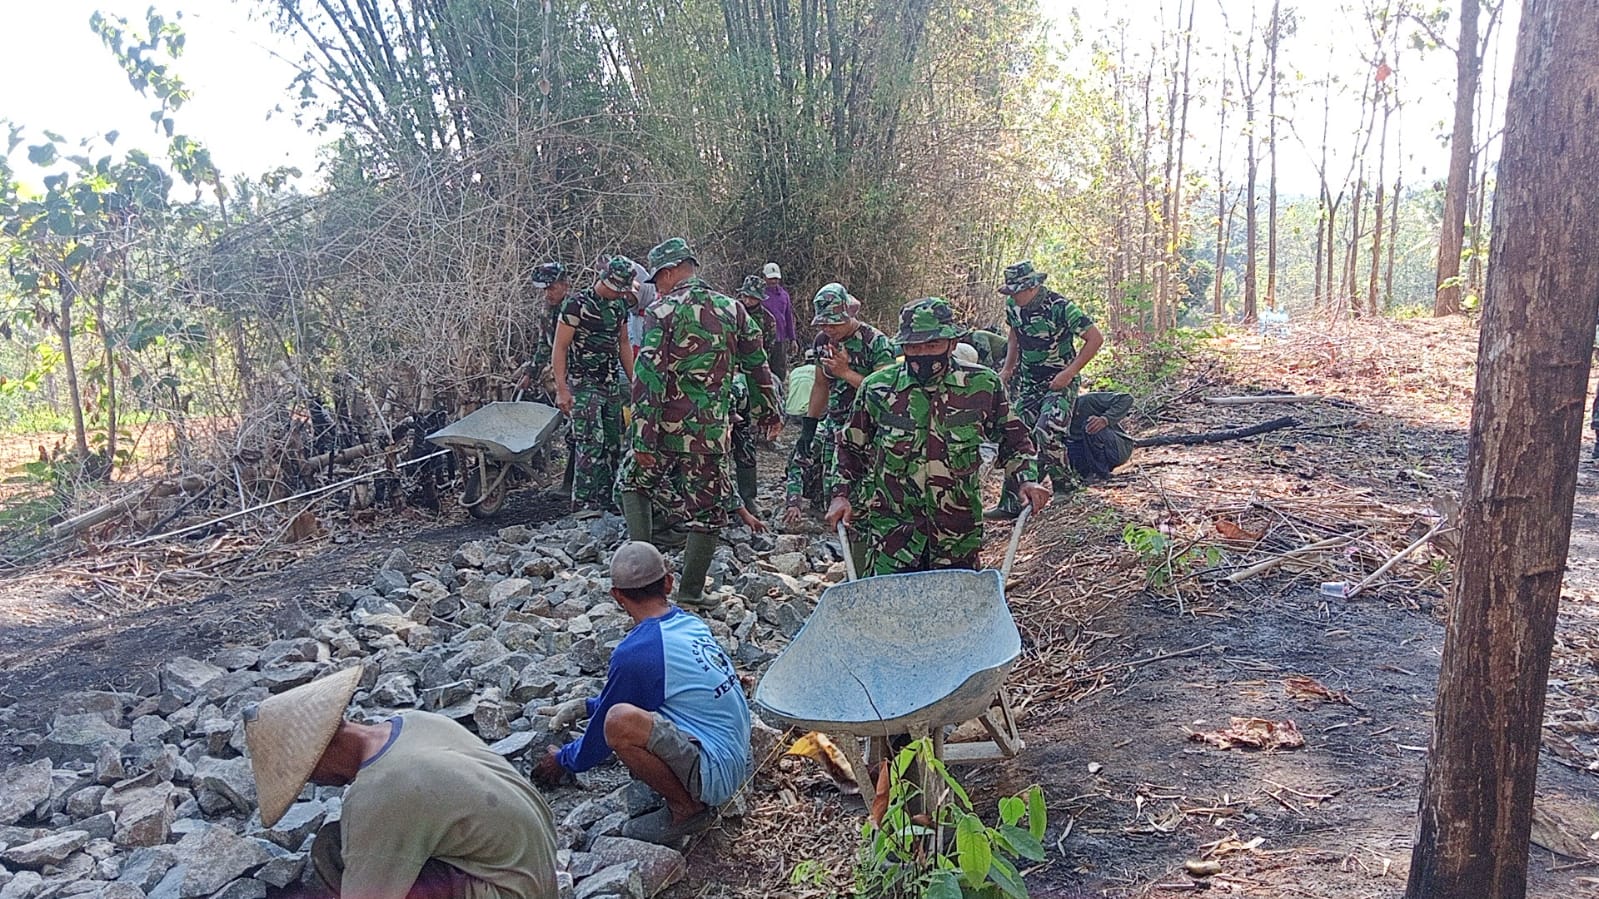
{"x":917,"y":430}
{"x":429,"y":812}
{"x":672,"y":710}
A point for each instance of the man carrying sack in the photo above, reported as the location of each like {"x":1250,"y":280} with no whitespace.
{"x":429,"y":812}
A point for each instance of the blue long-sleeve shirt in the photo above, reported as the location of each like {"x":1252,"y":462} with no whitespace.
{"x":672,"y":665}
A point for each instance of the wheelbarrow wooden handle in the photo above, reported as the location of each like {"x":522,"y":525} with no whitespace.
{"x":843,"y":544}
{"x":1015,"y":538}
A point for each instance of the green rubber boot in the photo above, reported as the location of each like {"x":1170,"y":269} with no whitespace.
{"x":697,"y":552}
{"x":746,"y":488}
{"x":636,"y":509}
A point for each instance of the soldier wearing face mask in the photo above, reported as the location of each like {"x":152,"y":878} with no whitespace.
{"x":912,"y":449}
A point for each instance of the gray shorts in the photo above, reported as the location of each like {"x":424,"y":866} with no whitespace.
{"x":680,"y":751}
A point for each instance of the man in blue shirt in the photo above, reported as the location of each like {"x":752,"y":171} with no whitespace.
{"x":673,"y":710}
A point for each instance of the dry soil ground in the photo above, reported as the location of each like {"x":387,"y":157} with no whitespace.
{"x":1122,"y":662}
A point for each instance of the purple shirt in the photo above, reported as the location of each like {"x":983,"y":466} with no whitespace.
{"x":777,"y":303}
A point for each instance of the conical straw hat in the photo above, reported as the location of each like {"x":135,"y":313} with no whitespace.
{"x":287,"y":733}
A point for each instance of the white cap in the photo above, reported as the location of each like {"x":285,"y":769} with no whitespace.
{"x":965,"y":352}
{"x":771,"y":271}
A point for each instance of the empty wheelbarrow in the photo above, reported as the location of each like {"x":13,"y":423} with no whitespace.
{"x":903,"y":654}
{"x":499,"y":441}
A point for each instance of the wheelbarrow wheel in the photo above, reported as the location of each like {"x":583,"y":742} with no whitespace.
{"x":476,"y":502}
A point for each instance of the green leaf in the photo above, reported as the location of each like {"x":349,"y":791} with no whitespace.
{"x":1037,"y":819}
{"x":1011,"y":809}
{"x":1008,"y":879}
{"x":42,"y":154}
{"x":973,"y":849}
{"x":943,"y":886}
{"x":1024,"y":843}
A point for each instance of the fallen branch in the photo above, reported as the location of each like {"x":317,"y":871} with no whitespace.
{"x":1397,"y":557}
{"x":1262,"y":398}
{"x":1274,"y":561}
{"x":1276,"y":424}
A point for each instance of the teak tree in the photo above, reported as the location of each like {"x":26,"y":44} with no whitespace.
{"x":1541,"y":303}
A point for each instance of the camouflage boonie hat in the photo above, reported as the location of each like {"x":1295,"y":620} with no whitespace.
{"x":666,"y":254}
{"x":831,"y":304}
{"x":753,"y":286}
{"x":618,"y":274}
{"x":549,"y":273}
{"x":928,"y":319}
{"x":1021,"y":276}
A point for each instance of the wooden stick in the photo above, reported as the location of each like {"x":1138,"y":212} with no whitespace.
{"x":1276,"y":424}
{"x":1262,"y":398}
{"x":1366,"y":581}
{"x":1274,"y":561}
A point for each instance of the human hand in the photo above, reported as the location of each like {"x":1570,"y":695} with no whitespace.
{"x":1062,"y":380}
{"x":1095,"y":424}
{"x":750,"y":521}
{"x":645,"y":461}
{"x":839,"y":510}
{"x":548,"y":772}
{"x":772,"y":428}
{"x":563,"y":398}
{"x":1035,"y":495}
{"x":837,"y":363}
{"x":1006,"y":374}
{"x":565,"y":714}
{"x":793,"y":516}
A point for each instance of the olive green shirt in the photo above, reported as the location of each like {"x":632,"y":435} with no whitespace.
{"x":437,"y":792}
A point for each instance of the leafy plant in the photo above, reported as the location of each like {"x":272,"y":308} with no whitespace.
{"x":1162,"y":564}
{"x":947,"y":851}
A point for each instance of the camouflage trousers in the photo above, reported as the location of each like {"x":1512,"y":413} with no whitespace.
{"x":596,"y":442}
{"x":1047,"y":415}
{"x":743,"y":437}
{"x":807,"y":471}
{"x":691,"y":489}
{"x":895,"y":546}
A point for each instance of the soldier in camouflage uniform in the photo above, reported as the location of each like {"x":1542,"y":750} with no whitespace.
{"x":1042,"y":364}
{"x":744,"y":440}
{"x":915,"y":431}
{"x":555,"y":281}
{"x":590,"y":340}
{"x":695,"y":341}
{"x":847,"y":351}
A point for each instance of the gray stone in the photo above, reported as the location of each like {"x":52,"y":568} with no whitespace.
{"x":565,"y":886}
{"x":533,"y":684}
{"x":514,"y":745}
{"x":282,"y":871}
{"x":582,"y":864}
{"x":518,"y":534}
{"x":108,"y":767}
{"x":300,"y":821}
{"x":610,"y":825}
{"x":236,"y":659}
{"x":615,"y":882}
{"x":389,"y":582}
{"x":144,"y":814}
{"x":509,"y":592}
{"x":288,"y":651}
{"x":99,"y":827}
{"x":86,"y":802}
{"x":436,"y":698}
{"x":116,"y":890}
{"x":25,"y":885}
{"x":185,"y":677}
{"x":469,"y":555}
{"x":287,"y":677}
{"x":107,"y":705}
{"x":144,"y":868}
{"x":244,"y":888}
{"x":22,"y":788}
{"x":791,"y":564}
{"x":790,"y":543}
{"x":489,"y":718}
{"x":395,"y":691}
{"x":78,"y":738}
{"x":214,"y":856}
{"x":637,"y":797}
{"x":231,"y":779}
{"x":589,"y":811}
{"x":170,"y":886}
{"x":398,"y":561}
{"x":50,"y":850}
{"x":659,"y":866}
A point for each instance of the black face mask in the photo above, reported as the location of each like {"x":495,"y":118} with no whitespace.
{"x":926,"y":370}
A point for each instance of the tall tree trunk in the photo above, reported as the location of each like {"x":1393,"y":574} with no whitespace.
{"x":1533,"y":359}
{"x":1393,"y":216}
{"x":1351,"y":294}
{"x":1322,"y":208}
{"x":1271,"y":149}
{"x":80,"y":434}
{"x":1378,"y":208}
{"x":1221,"y":203}
{"x":1175,"y":218}
{"x":1251,"y":214}
{"x":1468,"y":64}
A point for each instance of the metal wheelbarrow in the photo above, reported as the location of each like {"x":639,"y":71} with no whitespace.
{"x":903,"y":654}
{"x":499,"y":441}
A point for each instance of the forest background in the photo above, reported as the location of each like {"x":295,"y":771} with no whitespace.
{"x":1172,"y":164}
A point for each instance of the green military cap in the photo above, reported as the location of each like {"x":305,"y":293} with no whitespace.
{"x":668,"y":253}
{"x":1021,"y":276}
{"x":831,"y":304}
{"x":618,"y":274}
{"x":928,"y":319}
{"x":753,"y":286}
{"x":549,"y":273}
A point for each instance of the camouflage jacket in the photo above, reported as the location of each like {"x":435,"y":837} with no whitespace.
{"x":1046,"y":332}
{"x":767,"y":324}
{"x":543,"y":337}
{"x":695,"y":340}
{"x":869,"y":350}
{"x":922,"y":446}
{"x":595,"y":354}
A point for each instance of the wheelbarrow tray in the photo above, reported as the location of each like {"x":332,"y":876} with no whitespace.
{"x":895,"y":654}
{"x":504,"y":432}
